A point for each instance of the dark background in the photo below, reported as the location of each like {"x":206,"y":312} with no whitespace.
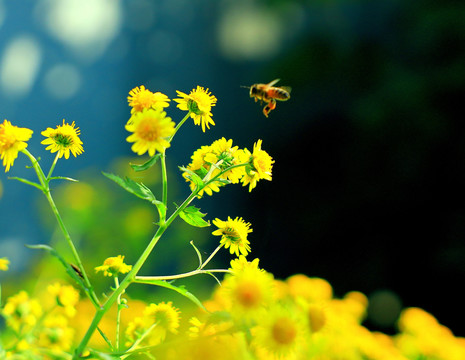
{"x":369,"y":150}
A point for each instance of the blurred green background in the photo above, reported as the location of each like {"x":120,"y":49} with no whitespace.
{"x":369,"y":150}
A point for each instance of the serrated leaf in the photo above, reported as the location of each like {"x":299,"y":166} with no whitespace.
{"x":147,"y":165}
{"x":193,"y":216}
{"x":135,"y":188}
{"x":179,"y":289}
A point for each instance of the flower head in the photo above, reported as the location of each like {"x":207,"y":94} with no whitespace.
{"x":64,"y":139}
{"x":279,"y":334}
{"x":141,"y":98}
{"x":234,"y":235}
{"x":199,"y":103}
{"x":66,"y":296}
{"x":4,"y":262}
{"x":150,"y":131}
{"x":165,"y":318}
{"x":113,"y":266}
{"x":12,"y":140}
{"x":259,"y":165}
{"x":21,"y":312}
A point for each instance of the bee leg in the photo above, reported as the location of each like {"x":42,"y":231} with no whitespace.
{"x":270,"y":106}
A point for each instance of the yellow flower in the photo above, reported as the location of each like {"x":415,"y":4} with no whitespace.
{"x":165,"y":318}
{"x":56,"y":334}
{"x":113,"y":266}
{"x":21,"y":312}
{"x":259,"y":165}
{"x":66,"y":296}
{"x":278,"y":335}
{"x":241,"y":263}
{"x":4,"y":262}
{"x":199,"y":103}
{"x":12,"y":140}
{"x":64,"y":139}
{"x":228,"y":156}
{"x":140,"y":98}
{"x":234,"y":235}
{"x":151,"y":130}
{"x":246,"y":292}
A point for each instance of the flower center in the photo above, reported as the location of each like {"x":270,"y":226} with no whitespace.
{"x":284,"y":331}
{"x":194,"y":107}
{"x":63,"y":140}
{"x":248,"y":294}
{"x":232,"y":234}
{"x":148,"y":131}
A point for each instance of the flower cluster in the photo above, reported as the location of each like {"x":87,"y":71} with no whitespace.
{"x":221,"y":163}
{"x":42,"y":330}
{"x":113,"y":266}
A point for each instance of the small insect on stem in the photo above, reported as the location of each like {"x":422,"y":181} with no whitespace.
{"x":269,"y":94}
{"x":76,"y":269}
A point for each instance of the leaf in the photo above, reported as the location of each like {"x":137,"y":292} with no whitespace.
{"x":135,"y":188}
{"x":179,"y":289}
{"x":193,"y":216}
{"x":70,"y":269}
{"x":196,"y":179}
{"x":147,"y":165}
{"x":63,"y":178}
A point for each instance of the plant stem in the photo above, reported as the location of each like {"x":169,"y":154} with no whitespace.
{"x":147,"y":279}
{"x":46,"y":190}
{"x":179,"y":125}
{"x":118,"y":313}
{"x":165,"y":184}
{"x":130,"y":277}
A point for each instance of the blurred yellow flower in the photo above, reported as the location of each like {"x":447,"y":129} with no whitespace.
{"x":234,"y":235}
{"x":113,"y":266}
{"x":247,"y":291}
{"x":151,"y":130}
{"x":4,"y":262}
{"x":66,"y":296}
{"x":56,"y":334}
{"x":279,"y":334}
{"x":158,"y":320}
{"x":141,"y":98}
{"x":64,"y":139}
{"x":199,"y":103}
{"x":12,"y":140}
{"x":259,"y":165}
{"x":21,"y":312}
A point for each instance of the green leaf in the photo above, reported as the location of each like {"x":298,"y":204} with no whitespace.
{"x":63,"y":178}
{"x":72,"y":270}
{"x":196,"y":179}
{"x":147,"y":165}
{"x":179,"y":289}
{"x":135,"y":188}
{"x":193,"y":216}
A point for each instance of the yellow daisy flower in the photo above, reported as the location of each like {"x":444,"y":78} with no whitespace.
{"x":279,"y":334}
{"x":12,"y":140}
{"x":241,"y":263}
{"x":141,"y":98}
{"x":4,"y":262}
{"x":56,"y":334}
{"x":234,"y":235}
{"x":166,"y":319}
{"x":259,"y":167}
{"x":199,"y":103}
{"x":66,"y":296}
{"x":247,"y":292}
{"x":151,"y":130}
{"x":113,"y":266}
{"x":64,"y":139}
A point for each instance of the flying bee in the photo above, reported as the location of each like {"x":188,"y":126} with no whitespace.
{"x":269,"y":94}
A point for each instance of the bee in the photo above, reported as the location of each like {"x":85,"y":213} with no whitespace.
{"x":269,"y":94}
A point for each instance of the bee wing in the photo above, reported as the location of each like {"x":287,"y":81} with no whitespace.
{"x":273,"y":82}
{"x":287,"y":88}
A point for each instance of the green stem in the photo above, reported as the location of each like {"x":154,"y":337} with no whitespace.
{"x":53,"y":166}
{"x":148,"y":279}
{"x":129,"y":277}
{"x":118,"y":313}
{"x":179,"y":125}
{"x":46,"y":190}
{"x":165,"y":184}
